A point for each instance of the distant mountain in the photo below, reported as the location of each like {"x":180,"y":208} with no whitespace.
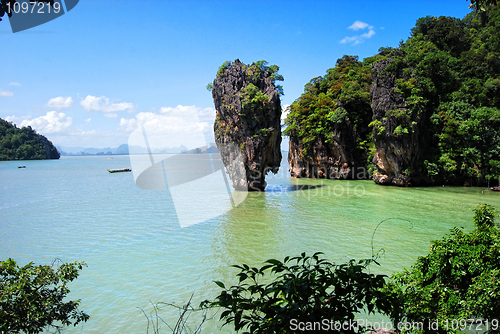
{"x":24,"y":144}
{"x":123,"y":149}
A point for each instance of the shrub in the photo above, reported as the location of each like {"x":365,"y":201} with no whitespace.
{"x":304,"y":289}
{"x":31,"y":297}
{"x":458,"y":280}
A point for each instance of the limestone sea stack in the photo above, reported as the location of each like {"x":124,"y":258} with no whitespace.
{"x":398,"y":131}
{"x":247,"y":124}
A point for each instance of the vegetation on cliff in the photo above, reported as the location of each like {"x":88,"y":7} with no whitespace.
{"x":446,"y":80}
{"x":341,"y":97}
{"x":24,"y":144}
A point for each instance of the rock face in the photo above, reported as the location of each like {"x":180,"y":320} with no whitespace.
{"x":247,"y":123}
{"x":331,"y":160}
{"x":397,"y":134}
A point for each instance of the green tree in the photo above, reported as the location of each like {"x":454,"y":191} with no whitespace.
{"x":24,"y":144}
{"x":32,"y":297}
{"x":459,"y":279}
{"x":482,"y":5}
{"x":339,"y":100}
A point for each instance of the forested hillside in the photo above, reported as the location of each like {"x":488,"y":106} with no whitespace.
{"x":427,"y":112}
{"x":24,"y":144}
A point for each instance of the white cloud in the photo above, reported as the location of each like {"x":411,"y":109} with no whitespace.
{"x":102,"y":103}
{"x":14,"y":84}
{"x":60,"y":102}
{"x":52,"y":122}
{"x":358,"y":25}
{"x":349,"y":40}
{"x":92,"y":138}
{"x":285,"y":110}
{"x":369,"y":34}
{"x":5,"y":93}
{"x":16,"y":119}
{"x":88,"y":120}
{"x":111,"y":115}
{"x":172,"y":127}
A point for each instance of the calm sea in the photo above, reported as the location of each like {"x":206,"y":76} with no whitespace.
{"x":74,"y":210}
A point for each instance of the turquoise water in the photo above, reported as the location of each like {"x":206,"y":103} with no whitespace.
{"x":74,"y":210}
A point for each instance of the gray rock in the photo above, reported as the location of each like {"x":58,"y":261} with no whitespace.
{"x":247,"y":123}
{"x":382,"y":331}
{"x":398,"y":155}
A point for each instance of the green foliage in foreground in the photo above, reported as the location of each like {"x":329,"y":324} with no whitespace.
{"x":305,"y":289}
{"x":31,"y":297}
{"x":24,"y":144}
{"x":459,"y":278}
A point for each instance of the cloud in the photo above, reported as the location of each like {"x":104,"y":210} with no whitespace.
{"x":111,"y":115}
{"x":16,"y":119}
{"x":5,"y":93}
{"x":369,"y":34}
{"x":172,"y":127}
{"x":60,"y":102}
{"x":102,"y":103}
{"x":285,"y":110}
{"x":14,"y":84}
{"x":358,"y":25}
{"x":358,"y":39}
{"x":88,"y":120}
{"x":52,"y":122}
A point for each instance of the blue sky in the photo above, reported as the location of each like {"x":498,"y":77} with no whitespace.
{"x":93,"y":75}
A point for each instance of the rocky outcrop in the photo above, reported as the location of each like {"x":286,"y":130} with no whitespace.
{"x":336,"y":159}
{"x":397,"y":130}
{"x":247,"y":123}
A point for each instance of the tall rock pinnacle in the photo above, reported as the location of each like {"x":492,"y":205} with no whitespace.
{"x":248,"y":116}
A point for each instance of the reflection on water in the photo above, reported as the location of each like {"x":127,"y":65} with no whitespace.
{"x":291,"y":187}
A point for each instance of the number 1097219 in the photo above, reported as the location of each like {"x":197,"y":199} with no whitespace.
{"x":36,"y":7}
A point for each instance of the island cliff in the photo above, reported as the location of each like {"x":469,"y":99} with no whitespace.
{"x":24,"y":144}
{"x":328,"y":124}
{"x":334,"y":159}
{"x":247,"y":123}
{"x":425,"y":113}
{"x":398,"y":151}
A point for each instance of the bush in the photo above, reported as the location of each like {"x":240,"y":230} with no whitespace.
{"x":458,"y":280}
{"x":31,"y":297}
{"x":305,"y":289}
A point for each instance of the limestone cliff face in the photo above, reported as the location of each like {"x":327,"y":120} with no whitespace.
{"x":397,"y":130}
{"x":247,"y":123}
{"x":335,"y":159}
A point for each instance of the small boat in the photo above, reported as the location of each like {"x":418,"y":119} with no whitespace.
{"x":120,"y":170}
{"x":21,"y":166}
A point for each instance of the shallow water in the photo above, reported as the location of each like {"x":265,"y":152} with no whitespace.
{"x":74,"y":210}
